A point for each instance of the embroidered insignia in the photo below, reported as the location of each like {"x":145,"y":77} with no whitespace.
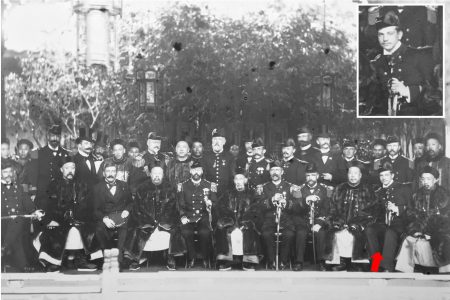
{"x":213,"y":187}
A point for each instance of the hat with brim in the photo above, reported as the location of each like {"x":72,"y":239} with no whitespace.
{"x":25,"y":142}
{"x":430,"y":170}
{"x":84,"y":135}
{"x":388,"y":20}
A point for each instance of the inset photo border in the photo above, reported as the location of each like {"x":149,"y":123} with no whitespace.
{"x":400,"y":68}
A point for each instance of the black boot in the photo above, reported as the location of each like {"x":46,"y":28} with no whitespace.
{"x":171,"y":266}
{"x":82,"y":264}
{"x":322,"y":266}
{"x":342,"y":265}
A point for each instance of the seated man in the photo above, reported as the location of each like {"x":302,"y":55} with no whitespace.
{"x":17,"y":248}
{"x":278,"y":200}
{"x":351,"y":210}
{"x":311,"y":213}
{"x":238,"y":227}
{"x":196,"y":197}
{"x":112,"y":205}
{"x":152,"y":220}
{"x":69,"y":225}
{"x":428,"y":242}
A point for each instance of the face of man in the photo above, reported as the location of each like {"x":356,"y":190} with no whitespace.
{"x":428,"y":181}
{"x":234,"y":150}
{"x":53,"y":140}
{"x":85,"y":146}
{"x":239,"y":182}
{"x":324,"y":143}
{"x":248,"y":148}
{"x":418,"y":150}
{"x":68,"y":170}
{"x":133,"y":152}
{"x":311,"y":178}
{"x":156,"y":175}
{"x":110,"y":174}
{"x":288,"y":152}
{"x":388,"y":37}
{"x":433,"y":147}
{"x":349,"y":152}
{"x":7,"y":175}
{"x":217,"y":143}
{"x":23,"y":151}
{"x":197,"y":149}
{"x":393,"y":149}
{"x":5,"y":151}
{"x":153,"y":146}
{"x":304,"y":139}
{"x":354,"y":175}
{"x":259,"y":152}
{"x":378,"y":151}
{"x":182,"y":149}
{"x":196,"y":173}
{"x":99,"y":150}
{"x":276,"y":173}
{"x":386,"y":177}
{"x":118,"y":151}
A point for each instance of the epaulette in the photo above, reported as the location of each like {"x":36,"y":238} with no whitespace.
{"x":180,"y":185}
{"x":363,"y":162}
{"x":301,"y":161}
{"x":381,"y":158}
{"x":379,"y":189}
{"x":376,"y":58}
{"x":323,"y":185}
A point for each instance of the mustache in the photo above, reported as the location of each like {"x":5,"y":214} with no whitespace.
{"x":112,"y":177}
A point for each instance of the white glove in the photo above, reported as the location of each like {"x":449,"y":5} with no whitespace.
{"x":184,"y":220}
{"x":208,"y":203}
{"x":53,"y":224}
{"x":125,"y":214}
{"x":316,"y":228}
{"x":108,"y":222}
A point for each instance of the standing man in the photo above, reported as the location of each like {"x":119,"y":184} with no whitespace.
{"x":258,"y":168}
{"x":153,"y":157}
{"x":418,"y":150}
{"x":120,"y":159}
{"x":293,"y":168}
{"x":306,"y":151}
{"x":401,"y":165}
{"x":347,"y":159}
{"x":196,"y":199}
{"x":137,"y":174}
{"x":378,"y":153}
{"x":25,"y":174}
{"x":393,"y":201}
{"x":244,"y":159}
{"x":402,"y":72}
{"x":179,"y":167}
{"x":219,"y":166}
{"x":197,"y":150}
{"x":326,"y":162}
{"x":84,"y":160}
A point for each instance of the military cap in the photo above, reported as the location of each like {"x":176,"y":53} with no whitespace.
{"x":26,"y":142}
{"x":195,"y":164}
{"x":133,"y":144}
{"x":65,"y":160}
{"x":387,"y":166}
{"x":275,"y":164}
{"x":258,"y":143}
{"x":349,"y":144}
{"x":311,"y":168}
{"x":434,"y":136}
{"x":84,"y":135}
{"x":218,"y":132}
{"x":7,"y":163}
{"x":117,"y":142}
{"x":392,"y":139}
{"x":430,"y":170}
{"x":154,"y":136}
{"x":389,"y":19}
{"x":381,"y":142}
{"x":55,"y":129}
{"x":304,"y":129}
{"x":418,"y":141}
{"x":288,"y":143}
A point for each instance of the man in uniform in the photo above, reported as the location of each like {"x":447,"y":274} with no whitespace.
{"x":244,"y":159}
{"x":47,"y":165}
{"x":294,"y":168}
{"x":84,"y":160}
{"x":402,"y":72}
{"x":17,"y":248}
{"x":258,"y":168}
{"x":347,"y":159}
{"x":69,"y":226}
{"x":120,"y":159}
{"x":277,"y":196}
{"x":311,"y":213}
{"x":378,"y":153}
{"x":219,"y":166}
{"x":393,"y":200}
{"x":305,"y":151}
{"x":196,"y":199}
{"x":153,"y":156}
{"x":401,"y":165}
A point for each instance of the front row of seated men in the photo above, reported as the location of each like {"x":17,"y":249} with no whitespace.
{"x":77,"y":226}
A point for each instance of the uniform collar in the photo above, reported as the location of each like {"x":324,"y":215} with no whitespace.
{"x":396,"y":47}
{"x":51,"y":148}
{"x":305,"y":148}
{"x":389,"y":185}
{"x":290,"y":159}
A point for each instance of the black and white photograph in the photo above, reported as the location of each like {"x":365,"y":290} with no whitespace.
{"x":400,"y":61}
{"x":212,"y":149}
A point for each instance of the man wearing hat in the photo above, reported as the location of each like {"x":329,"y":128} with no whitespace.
{"x":277,"y":195}
{"x":137,"y":174}
{"x":25,"y":164}
{"x":402,"y":72}
{"x":17,"y":248}
{"x":401,"y":165}
{"x":294,"y":168}
{"x":434,"y":157}
{"x":418,"y":149}
{"x":100,"y":149}
{"x":326,"y":162}
{"x":378,"y":153}
{"x":196,"y":202}
{"x":69,"y":226}
{"x":219,"y":166}
{"x":394,"y":200}
{"x":153,"y":156}
{"x":47,"y":165}
{"x":311,"y":213}
{"x":244,"y":159}
{"x":347,"y":159}
{"x":258,"y":168}
{"x":197,"y":150}
{"x":84,"y":160}
{"x":305,"y":151}
{"x":120,"y":159}
{"x":428,"y":227}
{"x":352,"y":206}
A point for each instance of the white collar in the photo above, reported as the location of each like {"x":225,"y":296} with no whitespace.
{"x":196,"y":182}
{"x":53,"y":149}
{"x":322,"y":151}
{"x":399,"y":43}
{"x":276,"y":183}
{"x":259,"y":159}
{"x":306,"y":147}
{"x":349,"y":159}
{"x":395,"y":157}
{"x":82,"y":153}
{"x":290,"y":157}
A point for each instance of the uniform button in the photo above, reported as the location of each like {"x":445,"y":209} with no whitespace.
{"x":385,"y":73}
{"x":407,"y":40}
{"x":197,"y":211}
{"x":399,"y":70}
{"x":407,"y":29}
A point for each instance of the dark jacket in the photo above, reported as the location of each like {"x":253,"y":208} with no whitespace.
{"x":294,"y":171}
{"x":105,"y":203}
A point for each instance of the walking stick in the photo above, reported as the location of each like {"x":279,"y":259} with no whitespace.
{"x":311,"y":217}
{"x":278,"y":218}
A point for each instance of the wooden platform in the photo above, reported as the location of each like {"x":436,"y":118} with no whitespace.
{"x":226,"y":285}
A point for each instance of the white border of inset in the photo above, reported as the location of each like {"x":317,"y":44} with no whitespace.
{"x":444,"y":100}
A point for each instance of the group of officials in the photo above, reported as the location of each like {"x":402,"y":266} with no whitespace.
{"x":89,"y":210}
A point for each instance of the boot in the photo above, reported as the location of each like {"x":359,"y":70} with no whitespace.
{"x":171,"y":266}
{"x":82,"y":264}
{"x":322,"y":266}
{"x":342,"y":266}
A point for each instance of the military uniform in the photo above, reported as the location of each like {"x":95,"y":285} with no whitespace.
{"x":342,"y":166}
{"x":412,"y":66}
{"x":219,"y":168}
{"x":191,"y":204}
{"x":390,"y":226}
{"x":294,"y":171}
{"x":258,"y":172}
{"x":310,"y":154}
{"x":402,"y":168}
{"x":17,"y":248}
